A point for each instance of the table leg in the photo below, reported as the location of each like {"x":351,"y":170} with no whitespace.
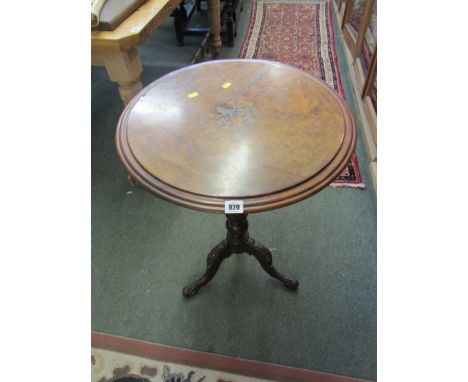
{"x":125,"y":69}
{"x":264,"y":257}
{"x":214,"y":18}
{"x":215,"y":258}
{"x":237,"y":241}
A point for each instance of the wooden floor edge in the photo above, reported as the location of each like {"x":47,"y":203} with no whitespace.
{"x":212,"y":361}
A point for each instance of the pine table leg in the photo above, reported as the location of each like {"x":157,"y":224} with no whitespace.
{"x":125,"y":69}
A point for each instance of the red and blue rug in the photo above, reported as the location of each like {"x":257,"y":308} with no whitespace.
{"x":299,"y":34}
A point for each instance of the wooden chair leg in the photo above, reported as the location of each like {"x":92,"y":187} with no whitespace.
{"x":230,"y":23}
{"x":180,"y":21}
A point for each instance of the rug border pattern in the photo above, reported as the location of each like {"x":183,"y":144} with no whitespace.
{"x":239,"y":366}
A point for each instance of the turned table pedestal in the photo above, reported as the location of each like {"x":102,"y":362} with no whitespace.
{"x":236,"y":137}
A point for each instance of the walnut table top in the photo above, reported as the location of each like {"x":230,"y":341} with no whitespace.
{"x":252,"y":130}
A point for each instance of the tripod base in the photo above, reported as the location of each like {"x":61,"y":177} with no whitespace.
{"x":237,"y":241}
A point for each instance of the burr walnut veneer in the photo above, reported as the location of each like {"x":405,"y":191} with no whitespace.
{"x":252,"y":130}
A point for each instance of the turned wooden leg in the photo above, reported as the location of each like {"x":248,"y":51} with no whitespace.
{"x":125,"y":69}
{"x":214,"y":17}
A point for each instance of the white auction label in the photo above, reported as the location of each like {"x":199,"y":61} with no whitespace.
{"x":233,"y":206}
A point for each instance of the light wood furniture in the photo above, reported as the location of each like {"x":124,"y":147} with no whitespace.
{"x":369,"y":96}
{"x":117,"y":49}
{"x":339,"y":6}
{"x":255,"y":131}
{"x":359,"y":30}
{"x":355,"y":20}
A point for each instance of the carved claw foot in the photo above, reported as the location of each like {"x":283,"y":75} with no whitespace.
{"x":291,"y":284}
{"x":190,"y":291}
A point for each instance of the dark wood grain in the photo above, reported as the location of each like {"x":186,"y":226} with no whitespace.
{"x":275,"y":136}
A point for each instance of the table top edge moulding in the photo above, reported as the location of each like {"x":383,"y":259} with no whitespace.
{"x":252,"y":203}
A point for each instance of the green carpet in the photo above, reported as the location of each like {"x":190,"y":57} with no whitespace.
{"x":144,"y":250}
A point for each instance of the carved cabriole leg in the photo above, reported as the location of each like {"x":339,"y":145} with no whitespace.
{"x":215,"y":258}
{"x":125,"y":69}
{"x":237,"y":241}
{"x":214,"y":17}
{"x":263,"y":255}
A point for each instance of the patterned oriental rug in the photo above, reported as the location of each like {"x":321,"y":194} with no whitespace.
{"x":119,"y":359}
{"x":299,"y":34}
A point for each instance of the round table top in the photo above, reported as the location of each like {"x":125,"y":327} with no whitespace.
{"x":252,"y":130}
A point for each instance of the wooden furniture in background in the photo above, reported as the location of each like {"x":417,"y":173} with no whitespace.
{"x":365,"y":69}
{"x":340,"y":6}
{"x":255,"y":131}
{"x":117,"y":49}
{"x":369,"y":98}
{"x":359,"y":29}
{"x":230,"y":12}
{"x":355,"y":20}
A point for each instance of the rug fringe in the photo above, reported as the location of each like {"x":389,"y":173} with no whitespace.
{"x":351,"y":185}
